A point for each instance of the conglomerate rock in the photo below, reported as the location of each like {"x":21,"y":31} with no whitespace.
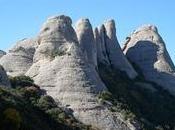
{"x":60,"y":67}
{"x":147,"y":50}
{"x":86,"y":40}
{"x":109,"y":51}
{"x":19,"y":59}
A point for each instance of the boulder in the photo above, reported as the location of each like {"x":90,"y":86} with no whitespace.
{"x":60,"y":67}
{"x":147,"y":50}
{"x":19,"y":58}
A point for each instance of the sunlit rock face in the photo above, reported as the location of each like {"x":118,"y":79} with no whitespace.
{"x":60,"y":67}
{"x":147,"y":50}
{"x":19,"y":58}
{"x":4,"y":81}
{"x":86,"y":40}
{"x":109,"y":51}
{"x":2,"y":53}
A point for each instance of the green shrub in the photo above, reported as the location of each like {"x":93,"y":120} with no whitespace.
{"x":11,"y":119}
{"x":105,"y":95}
{"x":21,"y":81}
{"x":58,"y":53}
{"x":46,"y":103}
{"x":58,"y":114}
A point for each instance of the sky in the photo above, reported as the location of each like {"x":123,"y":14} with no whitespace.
{"x":23,"y":18}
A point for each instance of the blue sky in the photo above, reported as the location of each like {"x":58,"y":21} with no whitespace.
{"x":23,"y":18}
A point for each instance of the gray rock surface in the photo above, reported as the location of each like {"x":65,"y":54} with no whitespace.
{"x":2,"y":53}
{"x":114,"y":52}
{"x":147,"y":50}
{"x":109,"y":51}
{"x":99,"y":35}
{"x":86,"y":40}
{"x":19,"y":58}
{"x":4,"y":81}
{"x":60,"y":67}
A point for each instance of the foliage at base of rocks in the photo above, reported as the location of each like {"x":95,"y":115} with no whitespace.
{"x":153,"y":107}
{"x":26,"y":107}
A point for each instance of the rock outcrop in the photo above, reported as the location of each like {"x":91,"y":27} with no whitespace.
{"x":19,"y":59}
{"x":60,"y":67}
{"x":4,"y":81}
{"x":147,"y":50}
{"x":102,"y":56}
{"x":86,"y":40}
{"x":2,"y":53}
{"x":109,"y":51}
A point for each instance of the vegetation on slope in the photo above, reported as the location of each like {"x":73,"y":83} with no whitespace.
{"x":139,"y":100}
{"x":26,"y":107}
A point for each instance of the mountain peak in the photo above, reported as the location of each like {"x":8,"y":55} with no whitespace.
{"x":147,"y":27}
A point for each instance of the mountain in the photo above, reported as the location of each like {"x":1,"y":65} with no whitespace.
{"x":80,"y":78}
{"x":146,"y":49}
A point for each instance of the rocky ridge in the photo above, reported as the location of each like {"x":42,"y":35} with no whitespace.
{"x":64,"y":61}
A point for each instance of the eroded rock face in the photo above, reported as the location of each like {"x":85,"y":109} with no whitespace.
{"x":60,"y":67}
{"x":109,"y":51}
{"x":4,"y":81}
{"x":102,"y":56}
{"x":147,"y":50}
{"x":2,"y":53}
{"x":19,"y":59}
{"x":86,"y":40}
{"x":115,"y":54}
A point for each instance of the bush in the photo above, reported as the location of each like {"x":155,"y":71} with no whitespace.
{"x":105,"y":95}
{"x":58,"y":53}
{"x":21,"y":81}
{"x":46,"y":103}
{"x":11,"y":119}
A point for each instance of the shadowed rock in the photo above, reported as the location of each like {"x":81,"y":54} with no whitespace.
{"x":19,"y":59}
{"x":86,"y":40}
{"x":2,"y":53}
{"x":114,"y":52}
{"x":99,"y":35}
{"x":61,"y":69}
{"x":109,"y":51}
{"x":4,"y":81}
{"x":147,"y":50}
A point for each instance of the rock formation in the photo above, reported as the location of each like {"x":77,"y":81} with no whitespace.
{"x":109,"y":51}
{"x":64,"y":62}
{"x":147,"y":50}
{"x":102,"y":56}
{"x":60,"y":67}
{"x":19,"y":59}
{"x":2,"y":53}
{"x":4,"y":81}
{"x":86,"y":40}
